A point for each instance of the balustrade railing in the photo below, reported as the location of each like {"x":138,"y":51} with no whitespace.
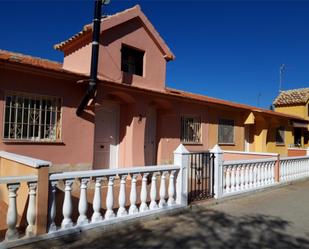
{"x":12,"y":227}
{"x":247,"y":175}
{"x":292,"y":168}
{"x":127,"y":193}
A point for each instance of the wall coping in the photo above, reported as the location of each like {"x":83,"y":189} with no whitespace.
{"x":29,"y":161}
{"x":292,"y":148}
{"x":250,"y":153}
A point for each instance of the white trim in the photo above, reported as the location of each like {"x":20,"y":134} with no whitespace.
{"x":18,"y":179}
{"x":111,"y":172}
{"x":29,"y":161}
{"x":233,"y":162}
{"x":250,"y":153}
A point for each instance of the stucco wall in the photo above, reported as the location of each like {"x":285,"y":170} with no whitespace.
{"x":297,"y":110}
{"x":132,"y":33}
{"x":76,"y":147}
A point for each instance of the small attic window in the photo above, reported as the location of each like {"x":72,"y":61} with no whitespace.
{"x":132,"y":60}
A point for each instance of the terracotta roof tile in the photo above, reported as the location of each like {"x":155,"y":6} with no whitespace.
{"x":292,"y":97}
{"x":29,"y":60}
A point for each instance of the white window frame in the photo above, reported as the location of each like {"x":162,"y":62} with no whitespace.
{"x":196,"y":127}
{"x":39,"y":130}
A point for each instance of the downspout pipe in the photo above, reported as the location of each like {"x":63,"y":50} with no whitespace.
{"x":92,"y":86}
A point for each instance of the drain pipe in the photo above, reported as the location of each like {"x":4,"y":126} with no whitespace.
{"x":92,"y":87}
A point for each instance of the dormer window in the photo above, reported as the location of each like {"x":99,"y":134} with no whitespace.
{"x":132,"y":60}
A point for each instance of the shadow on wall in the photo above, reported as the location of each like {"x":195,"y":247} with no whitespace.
{"x":198,"y":228}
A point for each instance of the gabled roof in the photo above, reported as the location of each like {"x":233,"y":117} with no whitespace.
{"x":292,"y":97}
{"x":108,"y":22}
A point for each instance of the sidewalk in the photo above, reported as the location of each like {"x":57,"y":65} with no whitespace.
{"x":274,"y":219}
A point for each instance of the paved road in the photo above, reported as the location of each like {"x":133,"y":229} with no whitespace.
{"x":275,"y":219}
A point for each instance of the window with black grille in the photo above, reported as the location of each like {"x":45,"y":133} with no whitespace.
{"x":191,"y":129}
{"x":132,"y":60}
{"x":280,"y":135}
{"x":226,"y":131}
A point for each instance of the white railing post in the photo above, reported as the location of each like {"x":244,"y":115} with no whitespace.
{"x":162,"y":202}
{"x":218,"y":167}
{"x":31,"y":212}
{"x":96,"y":205}
{"x":83,"y":204}
{"x":11,"y":218}
{"x":181,"y":158}
{"x":122,"y":197}
{"x":67,"y":207}
{"x":153,"y":192}
{"x":110,"y":198}
{"x":171,"y":189}
{"x":133,"y":196}
{"x":52,"y":208}
{"x":143,"y":207}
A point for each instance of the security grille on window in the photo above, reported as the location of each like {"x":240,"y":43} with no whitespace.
{"x":32,"y":118}
{"x":280,"y":135}
{"x":132,"y":60}
{"x":191,"y":129}
{"x":226,"y":131}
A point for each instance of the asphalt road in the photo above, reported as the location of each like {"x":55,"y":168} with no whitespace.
{"x":273,"y":219}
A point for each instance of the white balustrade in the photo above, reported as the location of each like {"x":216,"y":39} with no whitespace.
{"x":247,"y":175}
{"x":292,"y":168}
{"x":83,"y":204}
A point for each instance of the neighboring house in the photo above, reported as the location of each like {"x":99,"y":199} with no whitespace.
{"x":135,"y":120}
{"x":295,"y":102}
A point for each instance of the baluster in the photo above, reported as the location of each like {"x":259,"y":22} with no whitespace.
{"x":133,"y":208}
{"x":233,"y":171}
{"x":237,"y":178}
{"x":259,"y":175}
{"x":96,"y":205}
{"x":228,"y":179}
{"x":11,"y":218}
{"x":153,"y":192}
{"x":31,"y":212}
{"x":251,"y":176}
{"x":110,"y":198}
{"x":171,"y":189}
{"x":273,"y":172}
{"x":246,"y":176}
{"x":162,"y":202}
{"x":255,"y":177}
{"x":267,"y":173}
{"x":282,"y":171}
{"x":67,"y":205}
{"x":143,"y":207}
{"x":83,"y":204}
{"x":122,"y":197}
{"x":52,"y":208}
{"x":242,"y":177}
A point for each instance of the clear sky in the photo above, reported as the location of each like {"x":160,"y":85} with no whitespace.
{"x":226,"y":49}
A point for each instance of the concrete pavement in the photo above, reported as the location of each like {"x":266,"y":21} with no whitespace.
{"x":273,"y":219}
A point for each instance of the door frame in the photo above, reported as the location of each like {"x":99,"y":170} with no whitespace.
{"x":116,"y":108}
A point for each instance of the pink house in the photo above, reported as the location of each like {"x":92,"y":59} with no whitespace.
{"x":135,"y":120}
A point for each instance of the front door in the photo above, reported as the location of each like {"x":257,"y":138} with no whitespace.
{"x":150,"y":137}
{"x":106,"y":136}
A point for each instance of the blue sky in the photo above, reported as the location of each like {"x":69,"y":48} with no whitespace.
{"x":226,"y":49}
